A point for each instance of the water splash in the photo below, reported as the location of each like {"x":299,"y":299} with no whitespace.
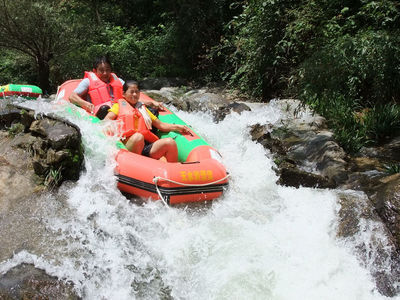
{"x":259,"y":241}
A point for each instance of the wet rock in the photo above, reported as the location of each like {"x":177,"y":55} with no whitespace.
{"x":387,"y":152}
{"x":25,"y":141}
{"x":262,"y":134}
{"x":239,"y":107}
{"x":364,"y":174}
{"x":58,"y":134}
{"x":27,"y":282}
{"x":201,"y":100}
{"x":159,"y":97}
{"x":222,"y":112}
{"x":158,"y":83}
{"x":320,"y":149}
{"x":290,"y":175}
{"x":49,"y":152}
{"x":363,"y":164}
{"x":386,"y":200}
{"x":40,"y":167}
{"x":306,"y":154}
{"x":54,"y":157}
{"x":218,"y":104}
{"x":52,"y":97}
{"x":27,"y":117}
{"x":8,"y":115}
{"x":17,"y":177}
{"x":169,"y":96}
{"x":356,"y":215}
{"x":319,"y":160}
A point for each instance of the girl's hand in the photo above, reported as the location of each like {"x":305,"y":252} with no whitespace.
{"x":158,"y":105}
{"x":184,"y":129}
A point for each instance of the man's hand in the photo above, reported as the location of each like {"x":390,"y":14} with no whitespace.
{"x":88,"y":106}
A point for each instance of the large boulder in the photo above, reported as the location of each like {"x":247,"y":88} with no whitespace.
{"x":316,"y":159}
{"x":36,"y":153}
{"x":27,"y":282}
{"x":356,"y":215}
{"x":17,"y":176}
{"x":161,"y":82}
{"x":219,"y":104}
{"x":386,"y":199}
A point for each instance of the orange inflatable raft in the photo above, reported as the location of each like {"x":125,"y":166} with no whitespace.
{"x":198,"y":176}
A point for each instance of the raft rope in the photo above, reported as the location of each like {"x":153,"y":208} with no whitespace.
{"x":156,"y":179}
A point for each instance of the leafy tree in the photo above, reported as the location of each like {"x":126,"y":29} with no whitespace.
{"x":41,"y":30}
{"x":197,"y":26}
{"x":16,"y":68}
{"x":254,"y":59}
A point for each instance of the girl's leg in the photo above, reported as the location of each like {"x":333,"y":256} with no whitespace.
{"x":165,"y":147}
{"x":135,"y":143}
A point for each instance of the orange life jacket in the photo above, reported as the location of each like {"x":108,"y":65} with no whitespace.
{"x":99,"y":90}
{"x":131,"y":121}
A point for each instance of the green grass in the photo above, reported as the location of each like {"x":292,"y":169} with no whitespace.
{"x":15,"y":129}
{"x":392,"y":168}
{"x":382,"y":122}
{"x":53,"y":177}
{"x":355,"y":125}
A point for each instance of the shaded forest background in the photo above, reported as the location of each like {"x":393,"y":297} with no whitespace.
{"x":340,"y":57}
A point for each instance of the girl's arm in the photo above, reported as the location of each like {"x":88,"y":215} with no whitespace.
{"x":110,"y":116}
{"x":166,"y":127}
{"x":153,"y":103}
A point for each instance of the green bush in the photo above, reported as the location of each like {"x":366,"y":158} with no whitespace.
{"x":349,"y":131}
{"x":16,"y":68}
{"x":382,"y":122}
{"x":354,"y":126}
{"x":137,"y":54}
{"x":392,"y":168}
{"x":250,"y":49}
{"x":364,"y":67}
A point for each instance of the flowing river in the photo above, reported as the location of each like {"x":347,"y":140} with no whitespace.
{"x":259,"y":241}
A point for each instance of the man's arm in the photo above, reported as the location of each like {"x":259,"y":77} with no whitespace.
{"x":76,"y":99}
{"x":76,"y":96}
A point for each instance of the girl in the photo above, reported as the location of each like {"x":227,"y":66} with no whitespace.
{"x":137,"y":121}
{"x":100,"y":88}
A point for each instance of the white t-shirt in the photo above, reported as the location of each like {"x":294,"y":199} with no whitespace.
{"x":83,"y":88}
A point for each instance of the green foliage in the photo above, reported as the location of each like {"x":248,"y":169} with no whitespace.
{"x":392,"y":168}
{"x":382,"y":122}
{"x":15,"y":129}
{"x":354,"y":126}
{"x":354,"y":56}
{"x":41,"y":30}
{"x":53,"y":177}
{"x":16,"y":68}
{"x":250,"y":48}
{"x":363,"y":67}
{"x":136,"y":53}
{"x":198,"y":26}
{"x":339,"y":111}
